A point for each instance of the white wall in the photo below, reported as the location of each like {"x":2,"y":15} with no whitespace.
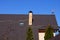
{"x":41,"y":36}
{"x":30,"y":18}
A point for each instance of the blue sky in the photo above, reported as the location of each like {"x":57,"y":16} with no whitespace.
{"x":37,"y":6}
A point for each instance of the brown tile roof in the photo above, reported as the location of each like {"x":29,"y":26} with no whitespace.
{"x":41,"y":21}
{"x":10,"y":25}
{"x":38,"y":20}
{"x":55,"y":38}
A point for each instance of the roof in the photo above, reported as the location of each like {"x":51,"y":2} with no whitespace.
{"x":40,"y":21}
{"x":55,"y":38}
{"x":10,"y":25}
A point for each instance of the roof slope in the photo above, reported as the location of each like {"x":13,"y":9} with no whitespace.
{"x":55,"y":38}
{"x":38,"y":20}
{"x":10,"y":25}
{"x":42,"y":21}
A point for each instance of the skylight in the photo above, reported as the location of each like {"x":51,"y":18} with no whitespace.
{"x":21,"y":24}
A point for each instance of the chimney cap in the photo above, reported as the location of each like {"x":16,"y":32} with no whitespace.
{"x":30,"y":12}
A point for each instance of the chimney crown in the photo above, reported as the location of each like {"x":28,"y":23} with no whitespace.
{"x":30,"y":12}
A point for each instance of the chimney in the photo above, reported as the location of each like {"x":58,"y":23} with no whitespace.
{"x":30,"y":17}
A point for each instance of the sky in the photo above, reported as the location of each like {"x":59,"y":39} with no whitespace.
{"x":37,"y":6}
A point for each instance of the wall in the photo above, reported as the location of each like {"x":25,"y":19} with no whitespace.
{"x":41,"y":36}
